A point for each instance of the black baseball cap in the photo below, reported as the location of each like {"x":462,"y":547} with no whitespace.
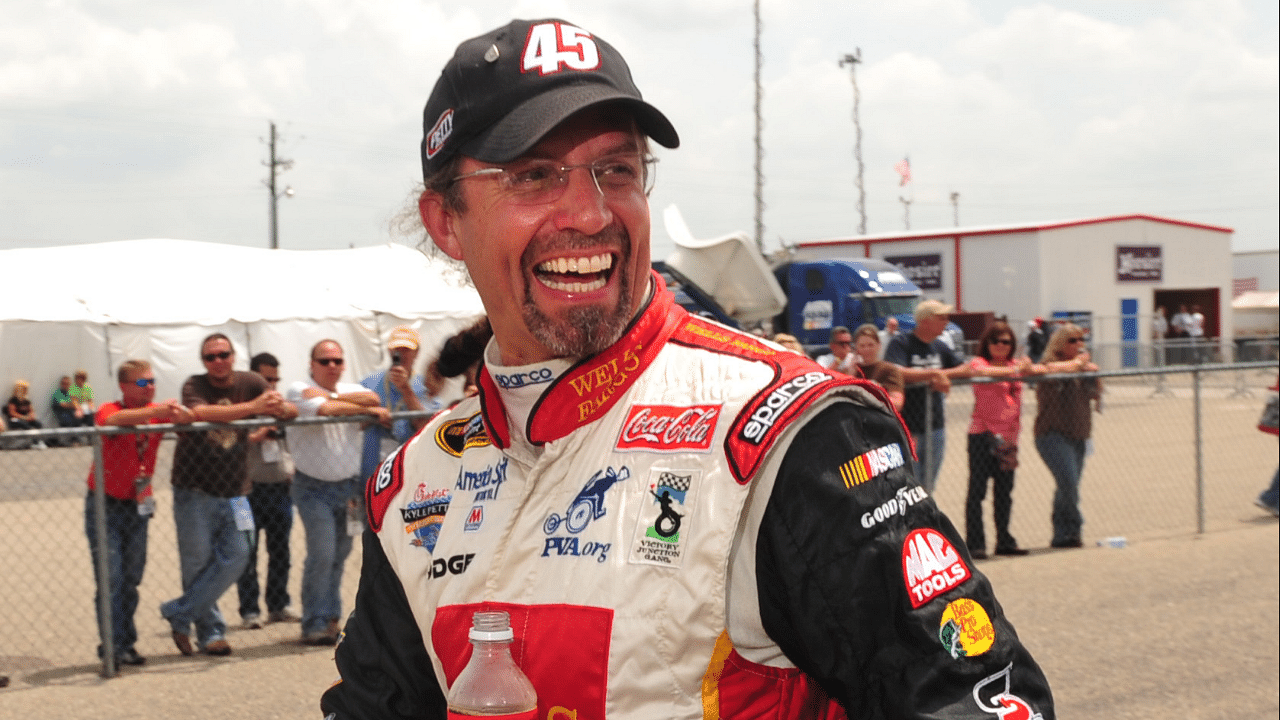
{"x":503,"y":91}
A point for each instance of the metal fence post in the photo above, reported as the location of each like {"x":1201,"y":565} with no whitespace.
{"x":1195,"y":385}
{"x":103,"y":568}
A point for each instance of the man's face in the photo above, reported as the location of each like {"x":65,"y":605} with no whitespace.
{"x":841,"y":344}
{"x":64,"y":384}
{"x":135,"y":395}
{"x":560,"y":279}
{"x":931,"y":327}
{"x":868,"y":348}
{"x":270,"y":374}
{"x":218,"y":357}
{"x":326,"y":364}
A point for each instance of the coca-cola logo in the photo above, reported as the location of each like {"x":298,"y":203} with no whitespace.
{"x":668,"y":428}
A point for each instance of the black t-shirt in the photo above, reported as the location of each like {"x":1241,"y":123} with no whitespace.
{"x":909,"y":351}
{"x":213,"y":461}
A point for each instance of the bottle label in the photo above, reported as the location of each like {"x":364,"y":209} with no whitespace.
{"x":527,"y":715}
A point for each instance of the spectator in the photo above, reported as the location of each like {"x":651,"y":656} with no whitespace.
{"x":1181,"y":333}
{"x":1159,"y":330}
{"x":128,"y":462}
{"x":1063,"y":425}
{"x":20,"y":415}
{"x":1269,"y":500}
{"x":1036,"y":338}
{"x":993,"y":437}
{"x":210,"y":511}
{"x":866,"y":344}
{"x":647,"y":492}
{"x":68,"y":411}
{"x":889,"y":332}
{"x":928,"y":366}
{"x":270,"y":469}
{"x":841,"y":358}
{"x":1195,"y":332}
{"x":82,"y":394}
{"x":398,"y":389}
{"x":326,"y":483}
{"x":789,"y":342}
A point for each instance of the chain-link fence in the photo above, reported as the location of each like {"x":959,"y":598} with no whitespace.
{"x":49,"y":521}
{"x":1171,"y":451}
{"x":1174,"y":451}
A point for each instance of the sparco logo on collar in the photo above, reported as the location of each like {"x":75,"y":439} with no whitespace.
{"x":930,"y":566}
{"x":669,"y":428}
{"x":778,"y":401}
{"x":441,"y":132}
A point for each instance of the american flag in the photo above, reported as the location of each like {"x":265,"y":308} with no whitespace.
{"x":904,"y":169}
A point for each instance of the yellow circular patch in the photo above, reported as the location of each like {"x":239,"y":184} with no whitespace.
{"x":966,"y":630}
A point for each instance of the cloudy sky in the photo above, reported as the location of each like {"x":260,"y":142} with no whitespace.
{"x":149,"y":118}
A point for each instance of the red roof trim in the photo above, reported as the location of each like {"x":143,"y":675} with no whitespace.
{"x":961,"y":232}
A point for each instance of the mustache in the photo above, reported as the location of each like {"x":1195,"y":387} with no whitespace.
{"x":614,"y":236}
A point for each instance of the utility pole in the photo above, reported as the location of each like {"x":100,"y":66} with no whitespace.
{"x":759,"y":139}
{"x":275,"y":166}
{"x":852,"y":61}
{"x":955,"y":207}
{"x":906,"y":212}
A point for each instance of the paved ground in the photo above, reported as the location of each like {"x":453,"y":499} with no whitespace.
{"x":1180,"y":627}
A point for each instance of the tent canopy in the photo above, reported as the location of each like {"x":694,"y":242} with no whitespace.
{"x":93,"y":306}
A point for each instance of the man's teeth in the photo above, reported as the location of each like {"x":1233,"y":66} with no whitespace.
{"x":593,"y":264}
{"x":564,"y":266}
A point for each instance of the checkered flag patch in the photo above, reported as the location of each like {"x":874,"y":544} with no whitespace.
{"x":675,"y":482}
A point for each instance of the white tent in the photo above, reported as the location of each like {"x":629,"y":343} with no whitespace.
{"x":93,"y":306}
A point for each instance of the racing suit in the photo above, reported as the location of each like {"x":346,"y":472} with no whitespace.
{"x":691,"y":524}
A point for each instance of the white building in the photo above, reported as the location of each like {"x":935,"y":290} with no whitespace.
{"x":1108,"y":273}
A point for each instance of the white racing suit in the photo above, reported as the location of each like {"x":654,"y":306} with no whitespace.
{"x":692,"y":524}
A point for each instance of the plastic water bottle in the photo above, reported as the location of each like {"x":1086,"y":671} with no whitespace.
{"x":492,"y":685}
{"x":1117,"y":541}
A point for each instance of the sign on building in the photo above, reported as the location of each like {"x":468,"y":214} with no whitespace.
{"x":923,"y":270}
{"x":1139,"y":263}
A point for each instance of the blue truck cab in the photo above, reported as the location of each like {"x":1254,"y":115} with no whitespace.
{"x":824,"y":294}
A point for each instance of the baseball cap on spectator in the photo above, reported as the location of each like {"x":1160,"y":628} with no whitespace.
{"x":403,"y":337}
{"x":929,"y":308}
{"x":503,"y":91}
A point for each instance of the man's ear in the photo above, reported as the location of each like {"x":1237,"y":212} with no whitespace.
{"x":438,"y":220}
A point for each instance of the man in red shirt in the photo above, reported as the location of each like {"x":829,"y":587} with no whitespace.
{"x":128,"y":462}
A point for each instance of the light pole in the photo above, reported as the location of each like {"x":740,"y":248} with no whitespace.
{"x":275,"y":166}
{"x":852,"y":61}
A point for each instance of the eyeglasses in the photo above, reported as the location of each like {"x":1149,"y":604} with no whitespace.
{"x":1002,"y":341}
{"x":144,"y":382}
{"x":329,"y":361}
{"x":537,"y":182}
{"x":210,"y":357}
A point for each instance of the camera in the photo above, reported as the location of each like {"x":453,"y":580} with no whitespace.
{"x":395,"y":358}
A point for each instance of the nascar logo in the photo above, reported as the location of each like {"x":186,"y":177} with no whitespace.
{"x":871,"y":464}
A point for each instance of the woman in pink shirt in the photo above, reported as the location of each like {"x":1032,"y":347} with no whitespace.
{"x":993,"y":437}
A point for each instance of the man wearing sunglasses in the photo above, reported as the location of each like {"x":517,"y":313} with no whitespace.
{"x":210,"y":483}
{"x":128,"y":462}
{"x":680,"y":520}
{"x":326,"y":483}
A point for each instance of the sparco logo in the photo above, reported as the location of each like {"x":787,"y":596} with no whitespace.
{"x":665,"y":428}
{"x":777,"y":403}
{"x":440,"y":133}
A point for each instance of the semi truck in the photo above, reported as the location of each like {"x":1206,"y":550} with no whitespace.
{"x":727,"y":279}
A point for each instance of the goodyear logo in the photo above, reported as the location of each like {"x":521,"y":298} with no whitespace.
{"x":871,"y":464}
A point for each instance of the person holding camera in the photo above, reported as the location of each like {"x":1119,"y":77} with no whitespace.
{"x":270,"y":468}
{"x":399,"y":389}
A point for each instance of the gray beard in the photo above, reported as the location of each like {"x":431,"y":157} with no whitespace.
{"x":586,"y":330}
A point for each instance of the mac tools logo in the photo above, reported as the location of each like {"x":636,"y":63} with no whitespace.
{"x":930,"y":566}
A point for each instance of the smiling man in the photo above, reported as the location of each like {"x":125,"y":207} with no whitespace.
{"x":681,"y":520}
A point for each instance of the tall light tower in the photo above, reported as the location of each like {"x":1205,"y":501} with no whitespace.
{"x":852,"y":61}
{"x":275,"y":166}
{"x":759,"y":139}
